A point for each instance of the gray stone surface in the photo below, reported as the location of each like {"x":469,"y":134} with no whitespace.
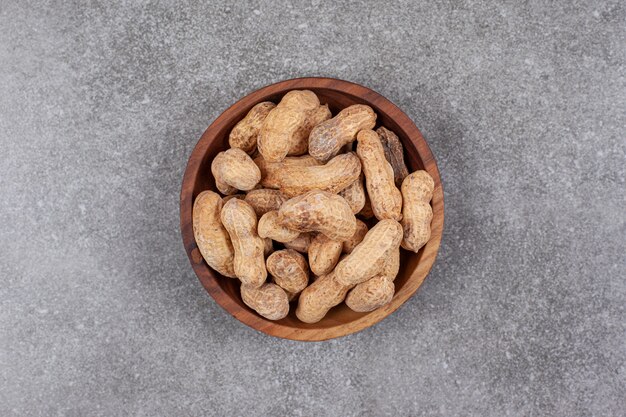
{"x":523,"y":104}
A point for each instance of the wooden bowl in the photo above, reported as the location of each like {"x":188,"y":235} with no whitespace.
{"x":339,"y":321}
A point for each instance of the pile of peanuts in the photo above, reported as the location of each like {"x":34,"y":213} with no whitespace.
{"x":291,"y":180}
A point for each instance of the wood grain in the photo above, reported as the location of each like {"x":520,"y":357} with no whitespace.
{"x":340,"y":321}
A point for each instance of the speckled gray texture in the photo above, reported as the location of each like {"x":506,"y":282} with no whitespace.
{"x":523,"y":104}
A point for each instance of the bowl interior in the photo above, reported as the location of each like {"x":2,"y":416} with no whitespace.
{"x":340,"y":320}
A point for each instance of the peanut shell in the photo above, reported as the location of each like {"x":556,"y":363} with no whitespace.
{"x":289,"y":270}
{"x":244,"y":134}
{"x":211,"y":237}
{"x":384,"y":196}
{"x":283,"y":122}
{"x":300,"y":143}
{"x":417,"y":191}
{"x":235,"y":169}
{"x":333,"y":177}
{"x":324,"y":254}
{"x":269,"y":300}
{"x":368,"y":257}
{"x":319,"y":297}
{"x":327,"y":138}
{"x":394,"y":153}
{"x":319,"y":211}
{"x":249,"y":261}
{"x":371,"y":294}
{"x":270,"y":170}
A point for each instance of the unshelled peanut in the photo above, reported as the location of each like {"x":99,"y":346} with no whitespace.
{"x":289,"y":269}
{"x":385,"y":197}
{"x":368,"y":257}
{"x":378,"y":290}
{"x":333,"y":177}
{"x":244,"y":134}
{"x":283,"y":122}
{"x":319,"y":211}
{"x":300,"y":141}
{"x":417,"y":191}
{"x":270,"y":170}
{"x":211,"y":237}
{"x":235,"y":169}
{"x":394,"y":153}
{"x":371,"y":294}
{"x":324,"y":254}
{"x":240,"y":221}
{"x":269,"y":300}
{"x":327,"y":138}
{"x":319,"y":297}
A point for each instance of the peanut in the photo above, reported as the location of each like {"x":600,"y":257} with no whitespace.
{"x":271,"y":227}
{"x":235,"y":169}
{"x":264,"y":200}
{"x":333,"y":177}
{"x":319,"y":211}
{"x":324,"y":254}
{"x":244,"y":134}
{"x":269,"y":300}
{"x":371,"y":294}
{"x":356,"y":238}
{"x":385,"y":197}
{"x":301,"y":243}
{"x":270,"y":170}
{"x":283,"y":122}
{"x":355,"y":195}
{"x":368,"y":257}
{"x":319,"y":297}
{"x":327,"y":138}
{"x":211,"y":237}
{"x":394,"y":153}
{"x":289,"y":269}
{"x":377,"y":291}
{"x":249,"y":262}
{"x":417,"y":191}
{"x":300,"y":143}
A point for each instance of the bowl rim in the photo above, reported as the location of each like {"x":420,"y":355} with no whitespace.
{"x":209,"y":278}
